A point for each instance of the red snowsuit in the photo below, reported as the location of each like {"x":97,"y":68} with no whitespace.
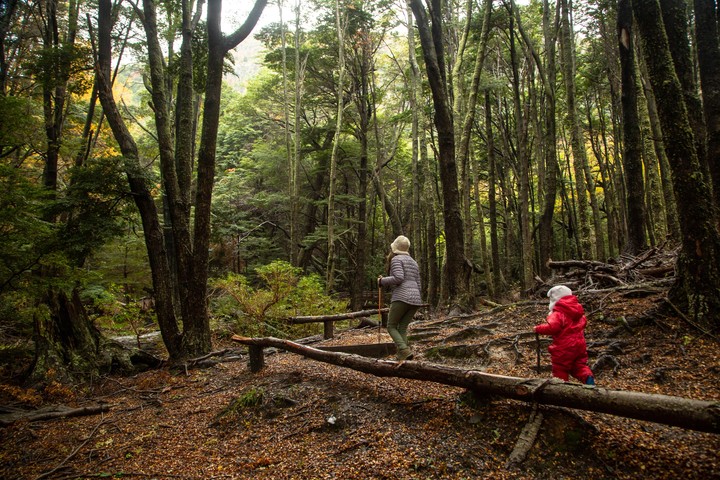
{"x":568,"y":350}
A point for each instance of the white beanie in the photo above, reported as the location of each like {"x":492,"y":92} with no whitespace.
{"x":400,"y":245}
{"x":556,"y":293}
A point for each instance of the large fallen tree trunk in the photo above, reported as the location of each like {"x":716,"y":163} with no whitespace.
{"x":698,"y":415}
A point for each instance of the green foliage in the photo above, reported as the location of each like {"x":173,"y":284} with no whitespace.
{"x":114,"y":310}
{"x":24,"y":234}
{"x":200,"y":57}
{"x":51,"y":66}
{"x":94,"y":199}
{"x":250,"y":398}
{"x":21,"y":123}
{"x":280,"y":292}
{"x":123,"y":260}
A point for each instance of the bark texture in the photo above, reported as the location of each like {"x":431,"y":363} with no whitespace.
{"x":698,"y":285}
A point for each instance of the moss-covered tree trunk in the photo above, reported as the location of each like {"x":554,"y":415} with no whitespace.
{"x":698,"y":270}
{"x":360,"y":71}
{"x":706,"y":33}
{"x":670,"y":211}
{"x":523,"y":159}
{"x":632,"y":142}
{"x":68,"y":347}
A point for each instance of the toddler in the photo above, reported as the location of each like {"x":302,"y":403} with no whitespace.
{"x":566,"y":324}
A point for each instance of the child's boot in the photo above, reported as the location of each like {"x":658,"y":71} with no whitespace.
{"x":590,"y":381}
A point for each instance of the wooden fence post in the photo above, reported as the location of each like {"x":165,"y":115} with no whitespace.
{"x":256,"y":358}
{"x":329,"y":329}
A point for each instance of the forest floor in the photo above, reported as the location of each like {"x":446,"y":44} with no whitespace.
{"x":302,"y":419}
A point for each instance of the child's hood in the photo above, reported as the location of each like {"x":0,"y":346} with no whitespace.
{"x":570,"y":307}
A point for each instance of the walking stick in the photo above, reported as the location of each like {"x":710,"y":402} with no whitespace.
{"x":537,"y":348}
{"x":380,"y":301}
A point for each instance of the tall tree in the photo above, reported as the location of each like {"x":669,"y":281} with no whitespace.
{"x":7,"y":11}
{"x":456,"y":272}
{"x":57,"y":64}
{"x":365,"y":36}
{"x":632,"y":142}
{"x":708,"y":51}
{"x":340,"y":25}
{"x":698,"y":271}
{"x":548,"y":74}
{"x":468,"y":119}
{"x":497,"y":277}
{"x":675,"y":21}
{"x":191,"y":246}
{"x":523,"y":156}
{"x":585,"y":185}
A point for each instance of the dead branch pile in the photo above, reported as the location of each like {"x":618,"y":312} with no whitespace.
{"x":654,"y":268}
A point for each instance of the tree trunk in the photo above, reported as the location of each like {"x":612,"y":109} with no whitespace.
{"x":670,"y":211}
{"x":458,"y":91}
{"x":484,"y":256}
{"x":698,"y":278}
{"x":66,"y":342}
{"x":632,"y":142}
{"x":578,"y":145}
{"x":6,"y":16}
{"x":698,"y":415}
{"x":523,"y":161}
{"x":497,"y":278}
{"x":142,"y":196}
{"x":361,"y":72}
{"x":549,"y":142}
{"x":463,"y":149}
{"x":289,"y":155}
{"x":340,"y":24}
{"x":706,"y":32}
{"x":297,"y":157}
{"x":455,"y":274}
{"x":419,"y":208}
{"x":599,"y":145}
{"x":191,"y":250}
{"x":430,"y":209}
{"x":68,"y":347}
{"x":654,"y":206}
{"x":675,"y":21}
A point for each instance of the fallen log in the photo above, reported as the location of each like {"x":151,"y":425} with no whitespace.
{"x":375,"y":350}
{"x":48,"y":413}
{"x":583,"y":264}
{"x":339,"y":316}
{"x":525,"y":440}
{"x":687,"y":413}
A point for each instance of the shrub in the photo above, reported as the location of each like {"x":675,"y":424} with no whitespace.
{"x":281,"y":292}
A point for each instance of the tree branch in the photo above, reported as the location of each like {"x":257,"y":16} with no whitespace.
{"x":234,"y":39}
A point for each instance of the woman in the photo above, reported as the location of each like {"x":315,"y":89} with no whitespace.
{"x":404,"y":277}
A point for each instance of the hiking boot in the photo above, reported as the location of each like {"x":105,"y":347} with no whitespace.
{"x":404,"y":354}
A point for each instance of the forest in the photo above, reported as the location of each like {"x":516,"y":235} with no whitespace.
{"x":157,"y":198}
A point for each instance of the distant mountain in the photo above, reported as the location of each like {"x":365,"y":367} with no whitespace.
{"x":248,"y":58}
